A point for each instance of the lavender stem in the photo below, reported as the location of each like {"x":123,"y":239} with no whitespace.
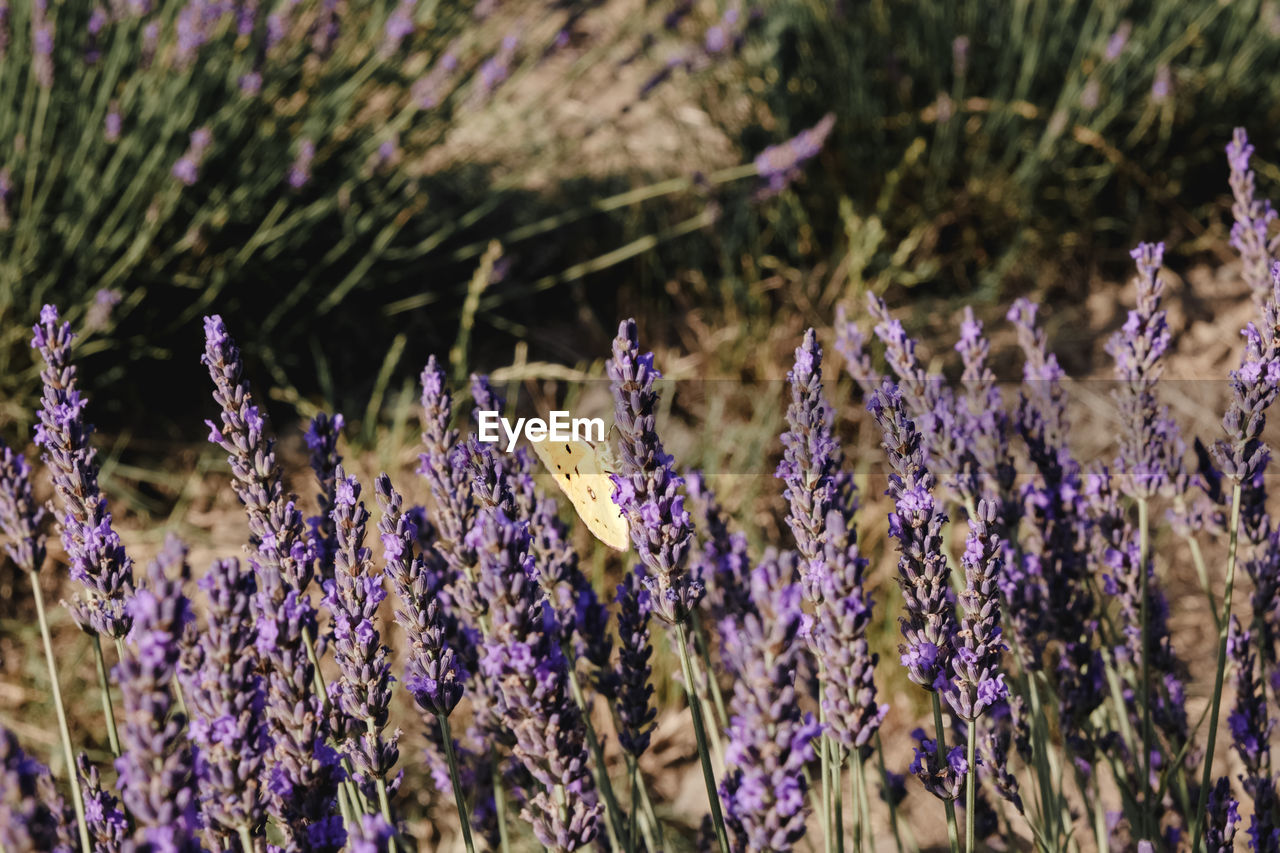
{"x":246,"y":840}
{"x":464,"y":818}
{"x":358,"y":803}
{"x":500,"y":808}
{"x":953,"y":834}
{"x":1197,"y":819}
{"x":884,"y":781}
{"x":113,"y":736}
{"x":1145,"y":691}
{"x":603,"y":784}
{"x":77,"y":796}
{"x":704,"y":651}
{"x":700,"y":733}
{"x":837,"y":793}
{"x":971,"y":787}
{"x":384,"y":804}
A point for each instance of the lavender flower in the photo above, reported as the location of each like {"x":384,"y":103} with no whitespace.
{"x":322,"y":444}
{"x":1221,"y":818}
{"x":371,"y":834}
{"x":433,"y":673}
{"x":1151,"y":448}
{"x":363,"y":692}
{"x":303,"y":773}
{"x":723,"y":564}
{"x":635,"y":710}
{"x":522,"y":655}
{"x":107,"y":823}
{"x":995,"y":738}
{"x":112,"y":125}
{"x":227,"y":700}
{"x":646,"y":487}
{"x":187,"y":168}
{"x":810,"y":465}
{"x":32,"y":815}
{"x":1242,"y":455}
{"x":977,"y":682}
{"x":929,"y":627}
{"x":450,"y":484}
{"x":1249,"y":722}
{"x":98,"y":558}
{"x":986,"y":425}
{"x":399,"y":26}
{"x":20,"y":515}
{"x":427,"y":91}
{"x":1253,"y":217}
{"x":770,"y":739}
{"x":942,"y":776}
{"x":157,"y":766}
{"x":300,"y":170}
{"x":851,"y":343}
{"x":1116,"y":43}
{"x":99,"y":314}
{"x":779,"y":165}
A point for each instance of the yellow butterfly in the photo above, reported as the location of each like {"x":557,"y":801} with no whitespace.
{"x":581,"y":469}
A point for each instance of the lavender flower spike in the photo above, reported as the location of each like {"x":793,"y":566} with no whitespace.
{"x":522,"y":655}
{"x":98,"y":559}
{"x":770,"y":740}
{"x":779,"y":165}
{"x":647,"y":488}
{"x":227,"y":700}
{"x":322,"y":446}
{"x":157,"y":767}
{"x":20,"y":514}
{"x":363,"y":692}
{"x":929,"y":626}
{"x":977,"y":682}
{"x":32,"y":815}
{"x":635,"y":708}
{"x":1253,"y":218}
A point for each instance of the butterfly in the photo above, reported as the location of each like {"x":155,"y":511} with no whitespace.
{"x":581,"y":469}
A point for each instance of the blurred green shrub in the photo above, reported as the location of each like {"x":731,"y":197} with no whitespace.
{"x":976,"y":140}
{"x":322,"y":172}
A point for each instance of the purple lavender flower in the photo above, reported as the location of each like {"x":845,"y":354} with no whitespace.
{"x":647,"y":488}
{"x":1249,"y":722}
{"x":99,"y":313}
{"x":21,"y":516}
{"x":112,"y":126}
{"x":300,"y":170}
{"x":450,"y":484}
{"x":1253,"y":217}
{"x":635,"y":709}
{"x":929,"y":627}
{"x":942,"y":776}
{"x":433,"y":674}
{"x":986,"y":425}
{"x":98,"y":558}
{"x":157,"y":765}
{"x":810,"y":464}
{"x":399,"y":26}
{"x":851,"y":343}
{"x":495,"y":70}
{"x":1162,"y":84}
{"x":427,"y":91}
{"x":32,"y":815}
{"x":1116,"y":43}
{"x":779,"y":165}
{"x":227,"y":700}
{"x":1151,"y":447}
{"x":977,"y":682}
{"x":723,"y":565}
{"x":1242,"y":455}
{"x":322,"y":446}
{"x":1221,"y":818}
{"x":363,"y":692}
{"x":523,"y":656}
{"x":770,"y":739}
{"x":187,"y":168}
{"x":994,"y":740}
{"x":108,"y":825}
{"x":371,"y":834}
{"x":303,"y":771}
{"x":42,"y":46}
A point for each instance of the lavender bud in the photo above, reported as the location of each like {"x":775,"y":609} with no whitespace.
{"x":647,"y":488}
{"x":32,"y":815}
{"x":98,"y":559}
{"x":20,"y":515}
{"x":779,"y":165}
{"x":636,"y":713}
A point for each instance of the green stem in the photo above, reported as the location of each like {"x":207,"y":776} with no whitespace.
{"x":500,"y":807}
{"x":713,"y":685}
{"x":971,"y":787}
{"x":631,"y":827}
{"x":837,"y":796}
{"x":651,"y":816}
{"x":824,"y":792}
{"x":1145,"y":686}
{"x":700,"y":733}
{"x":953,"y":835}
{"x":384,"y":802}
{"x":463,"y":817}
{"x":1197,"y":835}
{"x":888,"y":794}
{"x":605,"y":786}
{"x":357,"y":797}
{"x":113,"y":736}
{"x":68,"y":752}
{"x":246,"y":840}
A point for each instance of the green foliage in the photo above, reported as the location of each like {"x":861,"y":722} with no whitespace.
{"x":989,"y":137}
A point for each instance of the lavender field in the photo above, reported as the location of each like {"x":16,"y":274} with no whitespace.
{"x":934,"y":360}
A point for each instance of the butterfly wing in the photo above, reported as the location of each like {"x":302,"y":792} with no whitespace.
{"x":579,"y":470}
